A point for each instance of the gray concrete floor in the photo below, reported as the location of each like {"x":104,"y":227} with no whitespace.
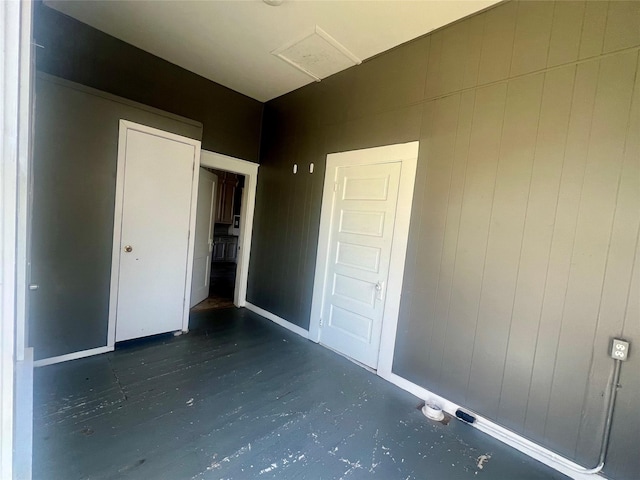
{"x":241,"y":398}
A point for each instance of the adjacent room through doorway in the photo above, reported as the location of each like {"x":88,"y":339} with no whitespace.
{"x":222,"y":215}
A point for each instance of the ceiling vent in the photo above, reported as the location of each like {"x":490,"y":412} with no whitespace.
{"x":319,"y":55}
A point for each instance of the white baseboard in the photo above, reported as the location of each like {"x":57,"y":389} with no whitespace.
{"x":72,"y":356}
{"x":280,"y":321}
{"x":520,"y":443}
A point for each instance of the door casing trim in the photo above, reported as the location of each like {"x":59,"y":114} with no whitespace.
{"x":407,"y":155}
{"x":250,"y":172}
{"x":125,"y":126}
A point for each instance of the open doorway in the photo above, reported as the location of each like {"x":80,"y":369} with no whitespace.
{"x":226,"y":201}
{"x":220,"y":210}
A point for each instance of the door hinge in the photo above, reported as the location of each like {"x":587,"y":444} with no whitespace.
{"x":321,"y":322}
{"x":336,"y":185}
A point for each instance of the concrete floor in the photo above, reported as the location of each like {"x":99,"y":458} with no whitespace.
{"x":241,"y":398}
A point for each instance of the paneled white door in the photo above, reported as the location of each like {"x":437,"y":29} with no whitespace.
{"x":207,"y":183}
{"x":361,"y":236}
{"x":153,"y":260}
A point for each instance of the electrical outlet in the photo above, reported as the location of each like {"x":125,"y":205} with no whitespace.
{"x":619,"y":349}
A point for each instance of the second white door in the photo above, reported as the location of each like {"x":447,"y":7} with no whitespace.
{"x":361,"y":236}
{"x":207,"y":183}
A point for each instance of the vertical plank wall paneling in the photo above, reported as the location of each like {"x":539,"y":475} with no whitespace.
{"x":594,"y":23}
{"x":566,"y":29}
{"x":621,"y":307}
{"x":536,"y":243}
{"x":497,"y":43}
{"x":504,"y":243}
{"x":557,"y":271}
{"x":468,"y":271}
{"x":522,"y":260}
{"x":620,"y":32}
{"x":532,"y":37}
{"x":590,"y":250}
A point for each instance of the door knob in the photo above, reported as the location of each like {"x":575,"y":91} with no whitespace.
{"x":34,"y":286}
{"x":379,"y":290}
{"x":128,"y":248}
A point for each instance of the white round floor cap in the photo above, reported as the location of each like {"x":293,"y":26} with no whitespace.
{"x":433,"y":412}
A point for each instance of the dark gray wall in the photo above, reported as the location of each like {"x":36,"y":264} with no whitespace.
{"x":82,"y":54}
{"x":74,"y":181}
{"x":523,"y":254}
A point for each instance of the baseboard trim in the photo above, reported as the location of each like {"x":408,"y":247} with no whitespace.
{"x":72,"y":356}
{"x":514,"y":440}
{"x":276,"y":319}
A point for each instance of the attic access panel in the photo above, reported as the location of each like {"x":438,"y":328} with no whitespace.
{"x":319,"y":55}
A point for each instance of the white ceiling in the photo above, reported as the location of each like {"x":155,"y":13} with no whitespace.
{"x":230,"y":42}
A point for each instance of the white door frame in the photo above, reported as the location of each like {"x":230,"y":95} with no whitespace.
{"x":15,"y":133}
{"x":125,"y":126}
{"x":407,"y":154}
{"x":250,"y":172}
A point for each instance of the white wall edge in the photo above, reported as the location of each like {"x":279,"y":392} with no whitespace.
{"x":280,"y":321}
{"x":514,"y":440}
{"x":26,"y":105}
{"x":72,"y":356}
{"x":11,"y":121}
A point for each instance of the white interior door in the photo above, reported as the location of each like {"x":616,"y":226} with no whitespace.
{"x":361,"y":237}
{"x":203,"y":243}
{"x":154,"y":235}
